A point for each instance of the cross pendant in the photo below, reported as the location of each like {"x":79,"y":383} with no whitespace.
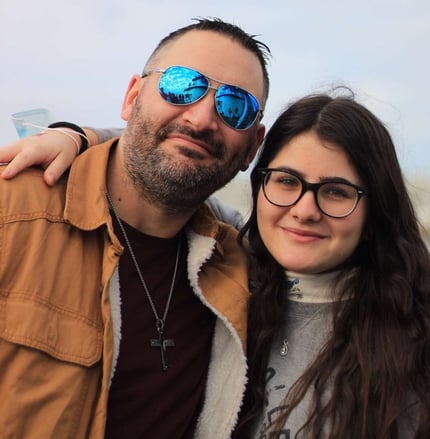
{"x":162,"y":343}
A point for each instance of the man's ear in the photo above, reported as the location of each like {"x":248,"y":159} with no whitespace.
{"x":253,"y":151}
{"x":131,"y":95}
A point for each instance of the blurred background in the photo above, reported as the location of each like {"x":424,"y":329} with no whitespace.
{"x":76,"y":58}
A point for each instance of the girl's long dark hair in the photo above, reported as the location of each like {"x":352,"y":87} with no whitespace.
{"x":378,"y":353}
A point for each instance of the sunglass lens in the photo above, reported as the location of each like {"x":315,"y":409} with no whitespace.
{"x":236,"y":107}
{"x":182,"y":86}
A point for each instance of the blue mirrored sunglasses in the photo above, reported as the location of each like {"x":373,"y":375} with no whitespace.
{"x":179,"y":85}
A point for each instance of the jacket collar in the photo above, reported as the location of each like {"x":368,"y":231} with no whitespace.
{"x":86,"y":203}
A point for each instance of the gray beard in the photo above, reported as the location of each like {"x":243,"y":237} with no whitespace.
{"x":175,"y":185}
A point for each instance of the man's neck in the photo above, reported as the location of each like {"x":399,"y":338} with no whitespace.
{"x":133,"y":208}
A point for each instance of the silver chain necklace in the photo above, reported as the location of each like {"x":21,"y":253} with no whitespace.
{"x":285,"y":343}
{"x":160,"y":342}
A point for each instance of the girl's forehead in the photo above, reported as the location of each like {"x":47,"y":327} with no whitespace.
{"x":315,"y":158}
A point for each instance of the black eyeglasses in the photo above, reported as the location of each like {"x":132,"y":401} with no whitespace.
{"x":179,"y":85}
{"x":336,"y":199}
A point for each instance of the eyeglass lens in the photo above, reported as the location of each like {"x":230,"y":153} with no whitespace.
{"x":334,"y":199}
{"x":182,"y":86}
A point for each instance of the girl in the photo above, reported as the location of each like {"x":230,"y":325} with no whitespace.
{"x":340,"y":312}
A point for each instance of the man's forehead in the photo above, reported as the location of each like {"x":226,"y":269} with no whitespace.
{"x":195,"y":36}
{"x":216,"y":55}
{"x":201,"y":46}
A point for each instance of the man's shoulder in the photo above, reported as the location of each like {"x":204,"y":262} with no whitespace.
{"x":30,"y":180}
{"x":27,"y":193}
{"x":211,"y":229}
{"x":207,"y":222}
{"x":225,"y":213}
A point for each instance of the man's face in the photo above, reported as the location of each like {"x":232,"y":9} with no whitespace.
{"x":177,"y":156}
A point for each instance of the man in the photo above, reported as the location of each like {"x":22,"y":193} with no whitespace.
{"x":123,"y":300}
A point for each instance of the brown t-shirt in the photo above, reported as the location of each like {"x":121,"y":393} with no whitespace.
{"x":146,"y":402}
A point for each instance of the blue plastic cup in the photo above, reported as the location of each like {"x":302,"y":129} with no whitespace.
{"x":30,"y":122}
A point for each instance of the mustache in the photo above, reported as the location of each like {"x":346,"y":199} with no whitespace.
{"x":217,"y":148}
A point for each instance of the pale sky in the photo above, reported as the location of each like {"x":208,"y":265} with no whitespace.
{"x":76,"y":57}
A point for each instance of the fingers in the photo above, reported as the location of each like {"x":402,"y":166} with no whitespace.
{"x":8,"y":152}
{"x":20,"y":155}
{"x":51,"y":150}
{"x":57,"y":167}
{"x":16,"y":165}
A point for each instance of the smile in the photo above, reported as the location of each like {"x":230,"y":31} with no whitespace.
{"x":303,"y":236}
{"x":188,"y":143}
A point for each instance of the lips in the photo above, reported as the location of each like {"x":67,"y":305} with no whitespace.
{"x":191,"y":142}
{"x":303,"y":235}
{"x":198,"y":141}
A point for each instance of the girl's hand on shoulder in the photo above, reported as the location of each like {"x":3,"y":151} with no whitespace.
{"x":51,"y":150}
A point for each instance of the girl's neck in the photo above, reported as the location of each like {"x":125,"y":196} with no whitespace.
{"x":311,"y":288}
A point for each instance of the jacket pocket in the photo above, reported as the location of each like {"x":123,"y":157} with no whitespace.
{"x":61,"y":333}
{"x":51,"y":369}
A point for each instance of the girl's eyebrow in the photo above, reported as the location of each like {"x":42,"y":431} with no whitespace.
{"x":335,"y":179}
{"x":323,"y":179}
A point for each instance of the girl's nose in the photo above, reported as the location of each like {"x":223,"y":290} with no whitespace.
{"x":306,"y":208}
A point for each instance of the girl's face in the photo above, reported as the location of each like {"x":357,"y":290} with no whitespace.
{"x":300,"y":237}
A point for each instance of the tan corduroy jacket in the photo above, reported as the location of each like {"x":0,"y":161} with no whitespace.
{"x":60,"y":319}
